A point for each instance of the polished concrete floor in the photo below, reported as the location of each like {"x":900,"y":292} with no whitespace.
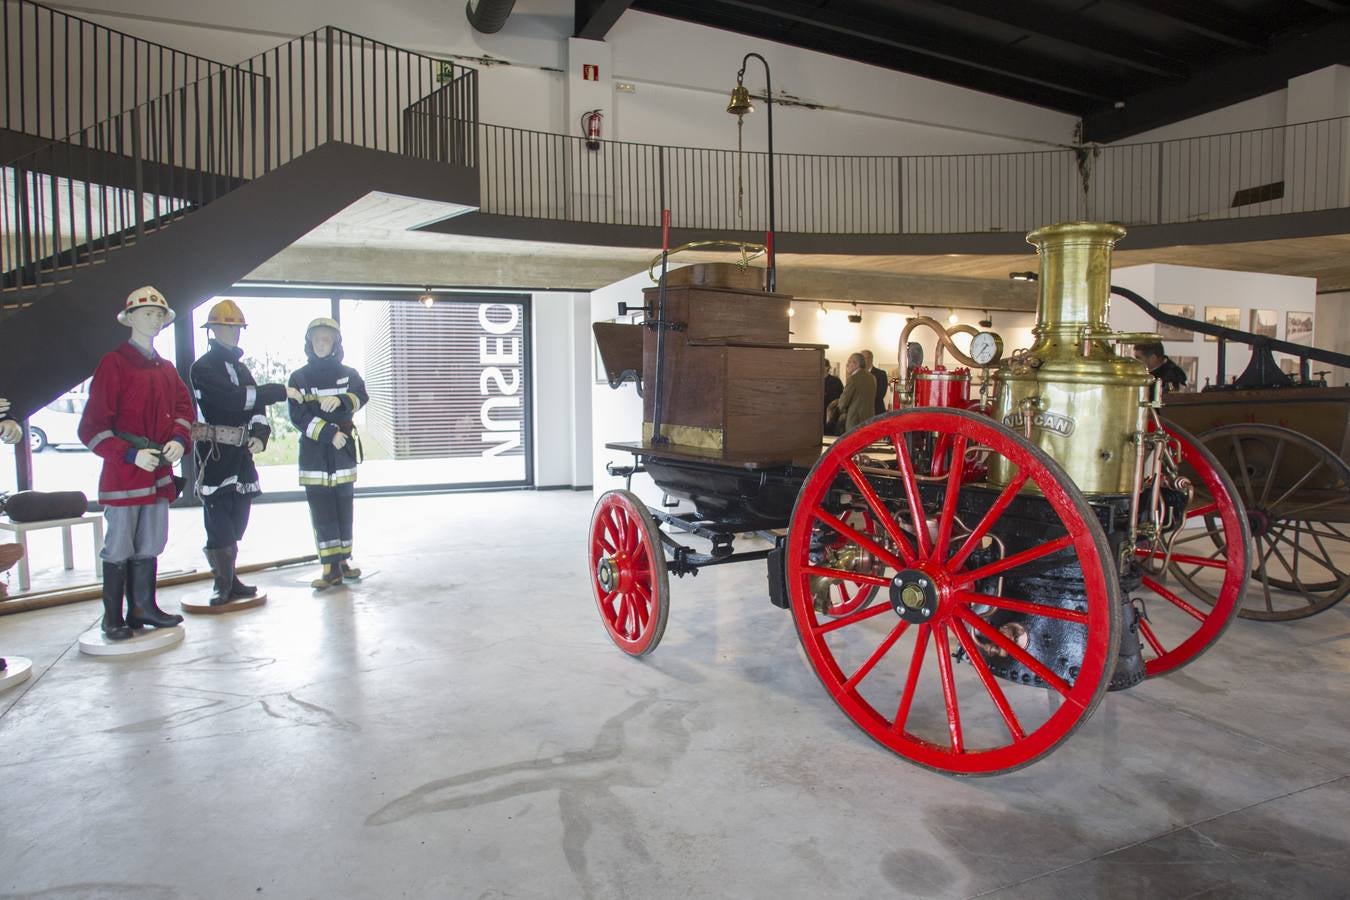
{"x":459,"y":725}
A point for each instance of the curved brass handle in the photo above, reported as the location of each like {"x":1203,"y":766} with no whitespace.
{"x":748,"y":250}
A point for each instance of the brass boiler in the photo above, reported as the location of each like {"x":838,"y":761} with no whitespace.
{"x":1071,"y":394}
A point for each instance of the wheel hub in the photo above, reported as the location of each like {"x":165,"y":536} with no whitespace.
{"x":914,"y":596}
{"x":607,"y":573}
{"x":1258,"y":520}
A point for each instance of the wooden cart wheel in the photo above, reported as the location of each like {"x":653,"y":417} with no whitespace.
{"x":1297,"y":495}
{"x":628,"y":572}
{"x":926,"y":673}
{"x":1185,"y":614}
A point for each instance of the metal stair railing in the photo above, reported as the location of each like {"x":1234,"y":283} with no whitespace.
{"x":69,"y":203}
{"x":64,"y":74}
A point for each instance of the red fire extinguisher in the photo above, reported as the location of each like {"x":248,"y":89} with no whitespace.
{"x":590,"y":128}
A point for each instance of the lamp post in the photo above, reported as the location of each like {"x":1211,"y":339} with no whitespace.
{"x":738,"y":107}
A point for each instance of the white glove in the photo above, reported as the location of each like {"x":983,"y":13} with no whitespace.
{"x":173,"y":452}
{"x":4,"y":405}
{"x":147,"y":459}
{"x":10,"y":432}
{"x":295,"y":395}
{"x":329,"y":403}
{"x":255,"y":445}
{"x":339,"y":440}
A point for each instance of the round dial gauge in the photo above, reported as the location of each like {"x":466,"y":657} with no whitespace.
{"x":986,"y":347}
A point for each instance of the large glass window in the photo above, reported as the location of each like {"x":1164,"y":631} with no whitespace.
{"x":447,"y":383}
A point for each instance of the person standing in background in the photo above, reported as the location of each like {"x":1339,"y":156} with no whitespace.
{"x":883,"y":382}
{"x":833,"y":388}
{"x":855,"y":403}
{"x":1153,"y":356}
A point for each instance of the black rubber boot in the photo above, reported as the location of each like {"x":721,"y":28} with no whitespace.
{"x":114,"y":589}
{"x":141,"y":607}
{"x":239,"y":590}
{"x":349,"y":571}
{"x":222,"y":566}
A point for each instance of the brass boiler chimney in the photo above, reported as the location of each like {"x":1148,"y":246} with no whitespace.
{"x":1070,"y":394}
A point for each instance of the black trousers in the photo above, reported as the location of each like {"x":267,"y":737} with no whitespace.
{"x":330,"y":513}
{"x":226,"y":516}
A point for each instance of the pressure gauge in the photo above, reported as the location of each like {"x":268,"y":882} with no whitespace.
{"x":986,"y":347}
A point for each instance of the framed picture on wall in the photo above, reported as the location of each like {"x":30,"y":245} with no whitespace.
{"x":1191,"y":366}
{"x":1226,"y":316}
{"x":1262,"y":322}
{"x":1169,"y":333}
{"x":1298,"y":328}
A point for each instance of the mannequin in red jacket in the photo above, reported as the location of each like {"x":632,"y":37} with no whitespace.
{"x":138,"y":420}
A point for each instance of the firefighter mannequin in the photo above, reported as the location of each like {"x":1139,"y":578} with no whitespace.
{"x":233,"y":406}
{"x":138,"y":420}
{"x":10,"y":430}
{"x":323,"y":396}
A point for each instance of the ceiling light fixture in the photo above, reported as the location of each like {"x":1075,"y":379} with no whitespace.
{"x":1022,"y":276}
{"x":427,"y":299}
{"x":952,"y":318}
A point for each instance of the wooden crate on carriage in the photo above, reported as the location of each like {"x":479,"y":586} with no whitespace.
{"x":733,"y":382}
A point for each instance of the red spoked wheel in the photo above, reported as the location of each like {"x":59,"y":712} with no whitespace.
{"x":628,"y":572}
{"x":952,"y":671}
{"x":1184,"y":614}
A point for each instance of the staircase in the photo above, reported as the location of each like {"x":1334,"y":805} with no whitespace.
{"x":194,"y":188}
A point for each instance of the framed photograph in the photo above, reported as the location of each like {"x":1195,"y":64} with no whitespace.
{"x":1191,"y":366}
{"x":1262,"y":322}
{"x":1298,"y":328}
{"x":1167,"y":332}
{"x":1227,"y":316}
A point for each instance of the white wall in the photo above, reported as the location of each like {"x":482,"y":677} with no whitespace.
{"x":1210,"y":287}
{"x":1331,"y":331}
{"x":561,"y":367}
{"x":616,"y":414}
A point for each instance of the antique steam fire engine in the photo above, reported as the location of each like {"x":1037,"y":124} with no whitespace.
{"x":951,"y":563}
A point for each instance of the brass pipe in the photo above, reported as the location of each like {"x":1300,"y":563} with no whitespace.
{"x":944,"y":337}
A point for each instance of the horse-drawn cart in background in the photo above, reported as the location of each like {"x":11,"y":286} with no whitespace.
{"x":1284,"y":440}
{"x":945,"y":569}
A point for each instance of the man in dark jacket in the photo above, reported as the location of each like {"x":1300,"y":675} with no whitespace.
{"x":833,"y":388}
{"x":883,"y":383}
{"x":324,"y":395}
{"x":1160,"y":366}
{"x":233,"y":407}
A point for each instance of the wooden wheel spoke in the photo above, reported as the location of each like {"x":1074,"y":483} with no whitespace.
{"x":950,"y":496}
{"x":1293,"y":575}
{"x":973,"y":540}
{"x":918,"y":517}
{"x":1246,"y":474}
{"x":1151,"y":639}
{"x":1297,"y":513}
{"x":1324,"y":561}
{"x":1274,"y":467}
{"x":861,"y":615}
{"x":1219,"y":533}
{"x":605,"y":542}
{"x":997,"y":638}
{"x":1207,"y":562}
{"x":1023,"y":606}
{"x":877,"y":654}
{"x":912,"y":679}
{"x":1172,"y":598}
{"x":987,"y":679}
{"x":1011,"y":562}
{"x":860,"y":539}
{"x":879,"y":511}
{"x":1297,"y":484}
{"x":855,"y":577}
{"x":1204,"y":510}
{"x":1264,"y":578}
{"x":944,"y":655}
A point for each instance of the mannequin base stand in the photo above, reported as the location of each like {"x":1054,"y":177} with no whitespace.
{"x":16,"y":672}
{"x":203,"y":606}
{"x":145,"y":640}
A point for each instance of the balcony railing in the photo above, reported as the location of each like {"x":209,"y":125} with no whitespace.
{"x":1268,"y":171}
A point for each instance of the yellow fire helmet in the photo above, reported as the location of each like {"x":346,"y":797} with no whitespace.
{"x":226,"y":312}
{"x":322,"y":322}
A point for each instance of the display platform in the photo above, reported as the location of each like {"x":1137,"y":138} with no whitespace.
{"x":203,"y":605}
{"x":146,"y":640}
{"x":16,"y":672}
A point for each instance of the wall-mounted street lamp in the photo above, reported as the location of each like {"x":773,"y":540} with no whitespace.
{"x":739,"y":106}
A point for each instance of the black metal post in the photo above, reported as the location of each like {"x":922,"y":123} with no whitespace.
{"x":771,"y":274}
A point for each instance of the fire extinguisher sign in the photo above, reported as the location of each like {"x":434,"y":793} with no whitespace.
{"x":590,"y":72}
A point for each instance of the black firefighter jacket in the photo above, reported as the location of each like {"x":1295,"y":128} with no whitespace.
{"x":320,"y":462}
{"x":227,"y":395}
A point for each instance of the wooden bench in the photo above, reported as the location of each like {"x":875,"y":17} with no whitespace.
{"x":21,"y":529}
